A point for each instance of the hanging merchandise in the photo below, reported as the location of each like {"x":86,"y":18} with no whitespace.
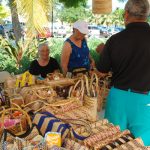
{"x":101,"y":6}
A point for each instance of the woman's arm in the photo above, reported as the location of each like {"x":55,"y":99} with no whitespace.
{"x":65,"y":55}
{"x":92,"y":62}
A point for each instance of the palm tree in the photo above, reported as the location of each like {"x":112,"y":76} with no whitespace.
{"x":15,"y":20}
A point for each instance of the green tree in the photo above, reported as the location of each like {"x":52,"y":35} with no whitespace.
{"x":114,"y":18}
{"x":73,"y":3}
{"x":72,"y":14}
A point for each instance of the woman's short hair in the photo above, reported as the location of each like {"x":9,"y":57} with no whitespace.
{"x":43,"y":45}
{"x":138,"y":8}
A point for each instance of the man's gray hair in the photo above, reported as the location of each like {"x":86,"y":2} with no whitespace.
{"x":138,"y":8}
{"x":42,"y":45}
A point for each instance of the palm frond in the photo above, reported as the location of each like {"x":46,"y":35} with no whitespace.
{"x":35,"y":12}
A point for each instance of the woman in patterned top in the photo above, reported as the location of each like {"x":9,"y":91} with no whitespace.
{"x":75,"y":53}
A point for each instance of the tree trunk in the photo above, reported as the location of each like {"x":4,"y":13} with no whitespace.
{"x":15,"y":21}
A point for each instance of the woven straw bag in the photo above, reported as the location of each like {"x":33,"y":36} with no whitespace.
{"x":62,"y":106}
{"x":45,"y":93}
{"x":20,"y":127}
{"x":35,"y":106}
{"x":16,"y":99}
{"x":47,"y":122}
{"x":77,"y":90}
{"x":91,"y":104}
{"x":95,"y":91}
{"x":78,"y":123}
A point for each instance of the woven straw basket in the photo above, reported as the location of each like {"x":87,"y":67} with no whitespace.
{"x":101,"y":6}
{"x":24,"y":121}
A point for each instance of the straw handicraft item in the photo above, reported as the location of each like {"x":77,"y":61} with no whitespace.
{"x":45,"y":93}
{"x":77,"y":90}
{"x":22,"y":118}
{"x":112,"y":138}
{"x":91,"y":104}
{"x":57,"y":79}
{"x":35,"y":106}
{"x":122,"y":140}
{"x":92,"y":140}
{"x":63,"y":106}
{"x":10,"y":83}
{"x":135,"y":144}
{"x":104,"y":84}
{"x":101,"y":6}
{"x":30,"y":140}
{"x":46,"y":122}
{"x":82,"y":113}
{"x":16,"y":99}
{"x":95,"y":127}
{"x":72,"y":145}
{"x":94,"y":90}
{"x":79,"y":123}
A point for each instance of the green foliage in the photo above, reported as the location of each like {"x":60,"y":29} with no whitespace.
{"x":72,"y":14}
{"x":73,"y":3}
{"x":8,"y":62}
{"x":114,"y":18}
{"x":56,"y":45}
{"x":93,"y":43}
{"x":17,"y":57}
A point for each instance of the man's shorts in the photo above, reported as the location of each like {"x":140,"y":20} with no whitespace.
{"x":131,"y":111}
